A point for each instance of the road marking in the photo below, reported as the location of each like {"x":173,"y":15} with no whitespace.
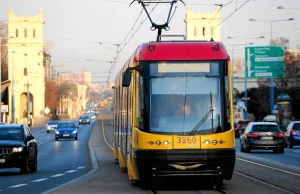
{"x":111,"y":122}
{"x":71,"y":171}
{"x":263,"y":182}
{"x":39,"y":131}
{"x":16,"y":186}
{"x":57,"y":175}
{"x":105,"y":137}
{"x":39,"y":180}
{"x":288,"y":172}
{"x":45,"y":141}
{"x":81,"y":167}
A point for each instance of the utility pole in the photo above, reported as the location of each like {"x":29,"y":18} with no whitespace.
{"x":28,"y":95}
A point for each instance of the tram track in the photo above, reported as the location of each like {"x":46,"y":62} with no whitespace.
{"x":264,"y":182}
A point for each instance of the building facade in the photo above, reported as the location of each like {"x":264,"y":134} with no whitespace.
{"x":203,"y":26}
{"x":25,"y":67}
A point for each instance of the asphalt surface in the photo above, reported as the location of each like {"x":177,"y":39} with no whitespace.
{"x":254,"y":173}
{"x":58,"y":162}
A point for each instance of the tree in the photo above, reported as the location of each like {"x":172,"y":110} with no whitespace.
{"x":3,"y":50}
{"x":51,"y":95}
{"x":290,"y":83}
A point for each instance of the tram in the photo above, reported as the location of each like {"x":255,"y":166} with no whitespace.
{"x":173,"y":112}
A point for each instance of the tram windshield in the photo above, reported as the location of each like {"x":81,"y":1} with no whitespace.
{"x":182,"y":97}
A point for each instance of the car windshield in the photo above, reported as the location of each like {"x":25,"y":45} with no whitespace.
{"x":52,"y":122}
{"x":265,"y":128}
{"x":84,"y":116}
{"x":179,"y":101}
{"x":65,"y":125}
{"x":296,"y":126}
{"x":11,"y":134}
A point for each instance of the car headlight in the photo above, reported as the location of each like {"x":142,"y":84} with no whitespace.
{"x":56,"y":132}
{"x":48,"y":127}
{"x":79,"y":120}
{"x":20,"y":149}
{"x":74,"y":132}
{"x":88,"y":120}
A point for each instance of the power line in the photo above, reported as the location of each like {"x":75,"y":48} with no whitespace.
{"x":230,"y":15}
{"x":132,"y":35}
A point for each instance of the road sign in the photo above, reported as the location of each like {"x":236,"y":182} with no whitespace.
{"x":4,"y":108}
{"x":264,"y":62}
{"x":275,"y":107}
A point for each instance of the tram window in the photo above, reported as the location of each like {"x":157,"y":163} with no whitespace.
{"x":140,"y":103}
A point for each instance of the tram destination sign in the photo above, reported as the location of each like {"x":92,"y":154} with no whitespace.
{"x":264,"y":62}
{"x":183,"y":67}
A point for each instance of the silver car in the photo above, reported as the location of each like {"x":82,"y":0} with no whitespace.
{"x":51,"y":125}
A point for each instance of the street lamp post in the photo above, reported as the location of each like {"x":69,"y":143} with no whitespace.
{"x":245,"y":78}
{"x":272,"y":87}
{"x":12,"y":92}
{"x":281,"y":7}
{"x":28,"y":94}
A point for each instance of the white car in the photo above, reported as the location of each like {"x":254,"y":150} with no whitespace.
{"x":51,"y":125}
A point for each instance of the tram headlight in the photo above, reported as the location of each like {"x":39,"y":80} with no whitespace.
{"x":158,"y":142}
{"x":166,"y":142}
{"x":206,"y":142}
{"x":215,"y":142}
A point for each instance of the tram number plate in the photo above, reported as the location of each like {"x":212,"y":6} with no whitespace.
{"x":2,"y":160}
{"x":186,"y":139}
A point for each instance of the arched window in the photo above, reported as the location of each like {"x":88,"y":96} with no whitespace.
{"x":195,"y":31}
{"x":203,"y":31}
{"x":25,"y":33}
{"x":33,"y":33}
{"x":17,"y":33}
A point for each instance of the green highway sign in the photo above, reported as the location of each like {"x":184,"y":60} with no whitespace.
{"x":264,"y":61}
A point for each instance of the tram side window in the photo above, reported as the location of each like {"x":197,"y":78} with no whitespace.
{"x":227,"y":103}
{"x":140,"y":103}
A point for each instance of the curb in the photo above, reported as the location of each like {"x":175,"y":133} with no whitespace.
{"x":94,"y":163}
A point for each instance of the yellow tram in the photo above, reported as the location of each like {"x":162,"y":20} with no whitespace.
{"x":173,"y":112}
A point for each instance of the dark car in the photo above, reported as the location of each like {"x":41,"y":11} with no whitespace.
{"x":66,"y":129}
{"x":262,"y":135}
{"x":240,"y":125}
{"x":18,"y":148}
{"x":84,"y":119}
{"x":293,"y":134}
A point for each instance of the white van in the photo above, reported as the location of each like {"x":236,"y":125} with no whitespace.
{"x":270,"y":118}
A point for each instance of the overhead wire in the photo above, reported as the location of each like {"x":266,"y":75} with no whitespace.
{"x":125,"y":41}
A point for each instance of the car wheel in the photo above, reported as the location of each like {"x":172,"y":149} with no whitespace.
{"x":290,"y":144}
{"x":25,"y":166}
{"x":75,"y":138}
{"x":56,"y":139}
{"x":89,"y":123}
{"x":281,"y":150}
{"x":247,"y":149}
{"x":47,"y":131}
{"x":33,"y":167}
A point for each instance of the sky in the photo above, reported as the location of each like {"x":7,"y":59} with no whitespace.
{"x":73,"y":29}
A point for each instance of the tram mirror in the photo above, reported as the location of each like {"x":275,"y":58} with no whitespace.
{"x":126,"y":78}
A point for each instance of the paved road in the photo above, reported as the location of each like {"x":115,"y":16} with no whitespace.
{"x":250,"y":176}
{"x":58,"y":162}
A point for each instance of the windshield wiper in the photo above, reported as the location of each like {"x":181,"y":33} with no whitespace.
{"x":204,"y":118}
{"x":212,"y":76}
